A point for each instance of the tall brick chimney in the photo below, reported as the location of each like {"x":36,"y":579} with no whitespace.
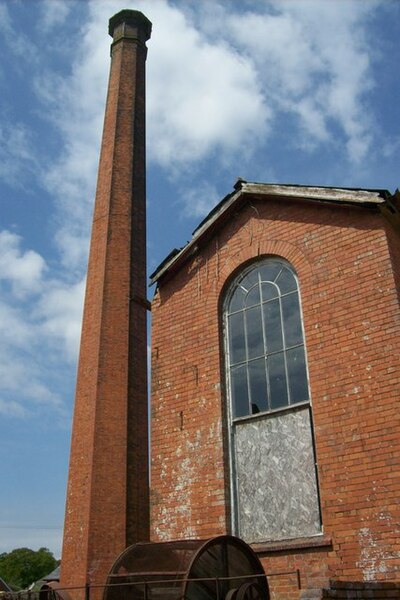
{"x":107,"y":498}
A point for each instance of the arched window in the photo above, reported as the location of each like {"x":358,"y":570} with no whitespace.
{"x":272,"y":460}
{"x":267,"y":366}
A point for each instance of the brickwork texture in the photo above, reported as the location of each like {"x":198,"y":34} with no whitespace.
{"x":107,"y":497}
{"x":347,"y":261}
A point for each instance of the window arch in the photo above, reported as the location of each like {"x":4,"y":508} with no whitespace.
{"x":265,"y":353}
{"x":273,"y":475}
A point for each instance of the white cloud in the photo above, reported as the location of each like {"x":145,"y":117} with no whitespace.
{"x":24,"y":270}
{"x":31,"y":375}
{"x":24,"y":392}
{"x":59,"y":304}
{"x":14,"y":329}
{"x":37,"y":334}
{"x":314,"y":60}
{"x":219,"y":77}
{"x":17,"y":155}
{"x":60,"y":310}
{"x":27,"y":385}
{"x":12,"y":409}
{"x":40,"y":308}
{"x":199,"y":201}
{"x":17,"y":42}
{"x":54,"y":13}
{"x":203,"y":96}
{"x":75,"y":107}
{"x":214,"y":91}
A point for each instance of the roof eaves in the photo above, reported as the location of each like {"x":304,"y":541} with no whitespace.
{"x":322,"y":194}
{"x":191,"y":246}
{"x":353,"y":196}
{"x":168,"y":259}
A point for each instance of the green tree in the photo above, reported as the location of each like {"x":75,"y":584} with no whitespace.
{"x":23,"y":566}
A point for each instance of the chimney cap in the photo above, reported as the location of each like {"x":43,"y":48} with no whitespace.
{"x":134,"y":18}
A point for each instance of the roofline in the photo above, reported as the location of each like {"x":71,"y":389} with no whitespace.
{"x":347,"y":196}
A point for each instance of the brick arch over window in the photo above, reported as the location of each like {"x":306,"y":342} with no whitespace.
{"x":267,"y":248}
{"x":272,"y":460}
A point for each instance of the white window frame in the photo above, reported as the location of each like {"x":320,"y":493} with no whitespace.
{"x":234,"y":420}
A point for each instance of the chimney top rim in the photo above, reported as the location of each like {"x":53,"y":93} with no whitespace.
{"x":130,"y":17}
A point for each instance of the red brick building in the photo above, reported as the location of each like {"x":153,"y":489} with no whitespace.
{"x":275,"y":383}
{"x":275,"y":373}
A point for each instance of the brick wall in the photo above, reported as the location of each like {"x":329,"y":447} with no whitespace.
{"x":361,"y":591}
{"x":352,"y":330}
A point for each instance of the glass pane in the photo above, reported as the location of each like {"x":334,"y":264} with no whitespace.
{"x":236,"y":338}
{"x":254,"y":332}
{"x":292,"y":320}
{"x":250,"y":279}
{"x":297,"y":375}
{"x":258,"y":385}
{"x":269,"y":291}
{"x":273,"y":326}
{"x":286,"y":281}
{"x":237,"y":300}
{"x":270,"y":270}
{"x":277,"y":380}
{"x":240,"y":395}
{"x":253,"y":297}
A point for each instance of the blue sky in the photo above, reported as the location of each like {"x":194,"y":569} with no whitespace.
{"x":289,"y":91}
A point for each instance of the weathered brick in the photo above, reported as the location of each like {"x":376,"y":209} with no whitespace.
{"x":349,"y":284}
{"x":107,"y":502}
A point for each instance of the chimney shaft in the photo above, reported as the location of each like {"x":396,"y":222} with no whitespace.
{"x":107,"y":498}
